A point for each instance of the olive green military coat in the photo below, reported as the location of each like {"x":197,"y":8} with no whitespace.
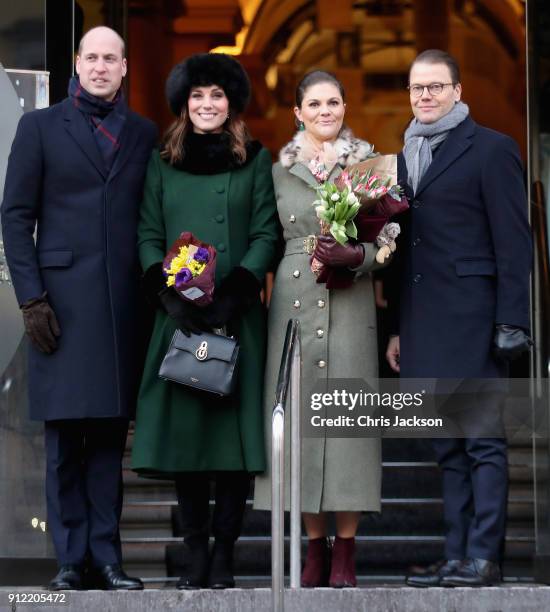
{"x":178,"y":429}
{"x":338,"y":331}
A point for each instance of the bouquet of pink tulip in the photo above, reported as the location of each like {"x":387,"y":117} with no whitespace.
{"x":357,"y":205}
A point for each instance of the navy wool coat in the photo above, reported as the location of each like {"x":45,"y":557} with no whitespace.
{"x":464,"y":257}
{"x":85,"y":257}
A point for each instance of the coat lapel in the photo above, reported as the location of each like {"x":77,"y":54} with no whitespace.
{"x":128,"y":140}
{"x":76,"y":125}
{"x":457,"y":143}
{"x":299,"y":170}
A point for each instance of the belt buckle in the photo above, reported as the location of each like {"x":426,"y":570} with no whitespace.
{"x":309,"y":243}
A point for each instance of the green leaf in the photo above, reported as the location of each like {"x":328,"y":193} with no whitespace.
{"x":351,"y":230}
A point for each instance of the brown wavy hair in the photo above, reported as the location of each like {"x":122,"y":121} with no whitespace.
{"x":172,"y":148}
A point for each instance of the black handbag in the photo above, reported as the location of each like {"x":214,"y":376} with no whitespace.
{"x":206,"y":361}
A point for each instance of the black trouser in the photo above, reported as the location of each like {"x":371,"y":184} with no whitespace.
{"x":475,"y":478}
{"x":193,"y":491}
{"x":84,"y":488}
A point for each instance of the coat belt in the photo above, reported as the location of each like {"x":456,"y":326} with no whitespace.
{"x":305,"y":245}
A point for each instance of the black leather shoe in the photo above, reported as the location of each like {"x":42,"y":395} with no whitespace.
{"x":474,"y":572}
{"x":220,"y":575}
{"x":68,"y":578}
{"x":433,"y":574}
{"x":196,"y":566}
{"x":113,"y":578}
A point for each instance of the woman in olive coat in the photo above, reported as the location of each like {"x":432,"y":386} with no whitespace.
{"x":338,"y":331}
{"x":212,"y":180}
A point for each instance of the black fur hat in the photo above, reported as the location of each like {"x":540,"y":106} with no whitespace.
{"x":208,"y":69}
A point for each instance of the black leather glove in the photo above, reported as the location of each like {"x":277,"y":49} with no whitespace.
{"x":188,"y":317}
{"x":235,"y":295}
{"x":333,"y":254}
{"x":510,"y":342}
{"x":41,"y":324}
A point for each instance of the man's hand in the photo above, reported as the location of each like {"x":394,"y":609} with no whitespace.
{"x":41,"y":324}
{"x":392,"y":353}
{"x":510,"y":342}
{"x":333,"y":254}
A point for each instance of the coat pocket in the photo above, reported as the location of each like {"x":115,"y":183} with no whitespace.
{"x":55,"y":259}
{"x":476,"y":267}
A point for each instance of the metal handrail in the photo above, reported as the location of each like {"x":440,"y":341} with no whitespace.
{"x":541,"y":278}
{"x":289,"y":374}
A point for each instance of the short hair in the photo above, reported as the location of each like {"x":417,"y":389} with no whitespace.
{"x":314,"y":78}
{"x":437,"y":56}
{"x":121,"y":40}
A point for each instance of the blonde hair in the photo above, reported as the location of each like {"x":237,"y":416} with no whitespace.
{"x":172,"y":148}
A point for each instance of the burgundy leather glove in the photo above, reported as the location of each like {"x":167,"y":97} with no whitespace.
{"x":333,"y":254}
{"x":41,"y":324}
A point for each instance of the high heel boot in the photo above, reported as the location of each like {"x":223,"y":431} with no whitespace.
{"x":317,"y":566}
{"x":342,"y":572}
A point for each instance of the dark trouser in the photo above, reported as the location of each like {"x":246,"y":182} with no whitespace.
{"x":84,"y":488}
{"x":475,"y":493}
{"x":193,"y":491}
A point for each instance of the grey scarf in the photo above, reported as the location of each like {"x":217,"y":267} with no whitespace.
{"x":421,"y":139}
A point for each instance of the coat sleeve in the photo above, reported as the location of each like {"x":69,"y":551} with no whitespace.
{"x":506,"y":204}
{"x":263,"y":233}
{"x":151,"y":229}
{"x":21,"y":208}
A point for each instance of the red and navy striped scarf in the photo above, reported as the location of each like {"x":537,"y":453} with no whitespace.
{"x":107,"y":119}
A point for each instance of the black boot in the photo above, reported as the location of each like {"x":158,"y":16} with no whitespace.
{"x":193,"y":491}
{"x":196,"y":574}
{"x":231,"y":493}
{"x":220,"y":575}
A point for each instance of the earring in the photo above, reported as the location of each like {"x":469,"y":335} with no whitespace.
{"x":301,"y":126}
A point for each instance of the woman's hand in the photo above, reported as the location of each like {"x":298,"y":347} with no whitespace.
{"x":332,"y":253}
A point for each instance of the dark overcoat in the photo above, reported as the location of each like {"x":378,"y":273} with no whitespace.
{"x":464,"y":256}
{"x":178,"y":429}
{"x":85,"y":257}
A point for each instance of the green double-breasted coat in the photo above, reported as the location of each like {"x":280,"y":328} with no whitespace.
{"x":178,"y":429}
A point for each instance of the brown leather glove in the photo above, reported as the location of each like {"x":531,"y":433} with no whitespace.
{"x":41,"y":324}
{"x":333,"y":254}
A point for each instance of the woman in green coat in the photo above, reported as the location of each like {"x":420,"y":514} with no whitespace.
{"x":338,"y":331}
{"x":212,"y":180}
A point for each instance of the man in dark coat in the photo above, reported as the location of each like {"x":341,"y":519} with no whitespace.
{"x":464,"y":261}
{"x":76,"y":172}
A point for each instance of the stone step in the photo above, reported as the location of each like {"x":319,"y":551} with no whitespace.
{"x":508,"y":598}
{"x":253,"y":553}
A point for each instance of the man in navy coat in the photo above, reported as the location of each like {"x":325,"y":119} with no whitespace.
{"x":464,"y":261}
{"x":76,"y":172}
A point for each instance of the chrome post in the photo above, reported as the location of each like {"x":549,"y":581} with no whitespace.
{"x":277,"y":509}
{"x":295,"y":463}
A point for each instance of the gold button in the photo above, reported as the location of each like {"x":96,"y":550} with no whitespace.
{"x":322,"y":364}
{"x":320,"y":333}
{"x":321,"y":303}
{"x":292,"y":218}
{"x":296,"y":304}
{"x":296,"y":273}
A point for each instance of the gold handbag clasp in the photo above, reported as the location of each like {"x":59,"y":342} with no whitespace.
{"x":202,"y":352}
{"x":310,"y":243}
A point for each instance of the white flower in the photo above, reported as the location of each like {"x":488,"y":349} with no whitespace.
{"x":352,"y":198}
{"x":335,"y":197}
{"x":320,"y":210}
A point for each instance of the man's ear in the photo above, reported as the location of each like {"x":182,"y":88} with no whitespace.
{"x":124,"y":66}
{"x":77,"y":64}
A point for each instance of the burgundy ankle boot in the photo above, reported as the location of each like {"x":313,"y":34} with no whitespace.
{"x":342,"y":573}
{"x":317,"y":565}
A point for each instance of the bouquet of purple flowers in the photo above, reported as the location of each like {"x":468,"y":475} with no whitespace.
{"x":190,"y":267}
